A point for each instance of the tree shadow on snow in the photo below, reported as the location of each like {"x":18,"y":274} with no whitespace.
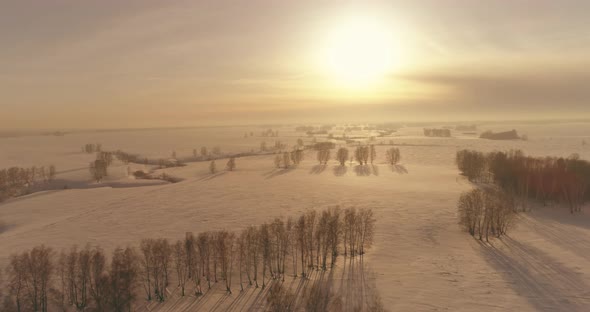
{"x":547,"y":284}
{"x":340,"y":170}
{"x":212,"y":176}
{"x":277,"y":172}
{"x":400,"y":169}
{"x":375,"y":169}
{"x":362,"y":170}
{"x":317,"y":169}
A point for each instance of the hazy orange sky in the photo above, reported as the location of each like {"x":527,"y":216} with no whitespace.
{"x":141,"y":63}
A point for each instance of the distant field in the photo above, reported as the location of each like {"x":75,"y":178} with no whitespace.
{"x":421,"y":259}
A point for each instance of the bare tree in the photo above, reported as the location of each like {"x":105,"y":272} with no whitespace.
{"x":98,"y":278}
{"x":278,"y":160}
{"x":280,"y":299}
{"x":253,"y":250}
{"x":231,"y":164}
{"x":225,"y":251}
{"x":361,"y":154}
{"x":212,"y":167}
{"x":98,"y":170}
{"x":203,"y":246}
{"x":265,"y":247}
{"x":297,"y":156}
{"x":392,"y":155}
{"x":367,"y":229}
{"x":485,"y":213}
{"x":372,"y":152}
{"x":148,"y":263}
{"x":122,"y":280}
{"x":51,"y":174}
{"x":30,"y":276}
{"x":286,"y":160}
{"x":180,"y":264}
{"x":342,"y":155}
{"x":17,"y":281}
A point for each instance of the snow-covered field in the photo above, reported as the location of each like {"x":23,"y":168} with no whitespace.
{"x":421,"y":260}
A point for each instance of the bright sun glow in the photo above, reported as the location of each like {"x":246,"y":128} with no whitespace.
{"x":358,"y":52}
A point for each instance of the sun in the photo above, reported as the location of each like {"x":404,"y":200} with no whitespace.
{"x":358,"y":52}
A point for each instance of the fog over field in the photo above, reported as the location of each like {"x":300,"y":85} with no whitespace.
{"x":275,"y":155}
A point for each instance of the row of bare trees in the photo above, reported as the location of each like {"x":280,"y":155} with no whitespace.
{"x":79,"y":278}
{"x":486,"y":212}
{"x":523,"y":177}
{"x":287,"y":159}
{"x":83,"y":280}
{"x":16,"y":181}
{"x":92,"y":148}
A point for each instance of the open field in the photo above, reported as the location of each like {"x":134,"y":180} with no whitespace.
{"x":421,"y":259}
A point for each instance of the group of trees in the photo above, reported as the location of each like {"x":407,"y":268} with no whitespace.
{"x":270,"y":133}
{"x":38,"y":279}
{"x":323,"y":155}
{"x":16,"y":181}
{"x":445,"y":133}
{"x":393,"y":156}
{"x":82,"y":278}
{"x":99,"y":167}
{"x":363,"y":153}
{"x":486,"y":212}
{"x":128,"y":158}
{"x":506,"y":135}
{"x":523,"y":177}
{"x":203,"y":153}
{"x":92,"y":148}
{"x":286,"y":159}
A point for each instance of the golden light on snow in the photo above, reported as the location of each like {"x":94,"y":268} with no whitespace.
{"x":358,"y":52}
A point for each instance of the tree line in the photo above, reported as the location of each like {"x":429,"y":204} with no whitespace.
{"x":90,"y":148}
{"x":16,"y":181}
{"x":83,"y":279}
{"x":445,"y":133}
{"x":556,"y":179}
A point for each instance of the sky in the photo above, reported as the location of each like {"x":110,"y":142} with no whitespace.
{"x":144,"y":63}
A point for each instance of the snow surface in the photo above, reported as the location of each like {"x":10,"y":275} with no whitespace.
{"x":421,"y":259}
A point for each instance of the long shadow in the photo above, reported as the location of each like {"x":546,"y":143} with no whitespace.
{"x":339,"y":170}
{"x":375,"y":169}
{"x":317,"y":169}
{"x":562,"y":216}
{"x":362,"y":170}
{"x":212,"y":176}
{"x":400,"y":169}
{"x":571,"y":240}
{"x":277,"y":172}
{"x":545,"y":283}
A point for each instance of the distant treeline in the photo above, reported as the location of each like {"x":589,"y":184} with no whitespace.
{"x":556,"y":179}
{"x":507,"y":135}
{"x":16,"y":181}
{"x":431,"y":132}
{"x":82,"y":279}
